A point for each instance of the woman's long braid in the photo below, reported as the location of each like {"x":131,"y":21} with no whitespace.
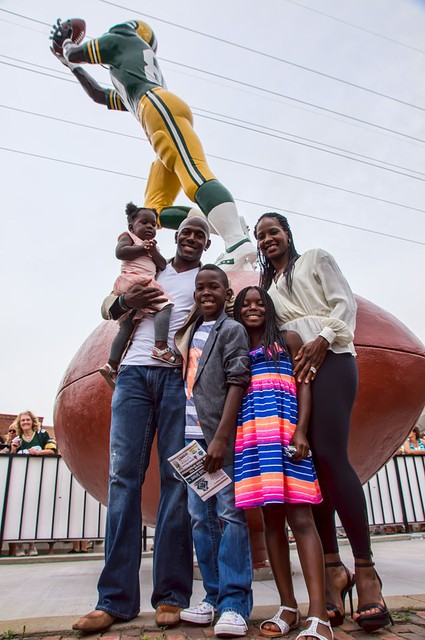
{"x":266,"y":267}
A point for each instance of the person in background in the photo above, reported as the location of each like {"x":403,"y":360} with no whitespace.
{"x":11,"y":433}
{"x":31,"y":438}
{"x":414,"y":445}
{"x":79,"y":546}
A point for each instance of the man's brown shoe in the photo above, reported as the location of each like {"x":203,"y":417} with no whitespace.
{"x":94,"y":621}
{"x":166,"y":615}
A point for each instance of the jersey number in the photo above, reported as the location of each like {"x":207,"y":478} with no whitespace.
{"x":152,"y":70}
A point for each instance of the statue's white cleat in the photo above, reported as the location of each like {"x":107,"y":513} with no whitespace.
{"x":240,"y":257}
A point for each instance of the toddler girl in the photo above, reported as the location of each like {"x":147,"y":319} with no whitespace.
{"x":273,"y":465}
{"x":141,"y":259}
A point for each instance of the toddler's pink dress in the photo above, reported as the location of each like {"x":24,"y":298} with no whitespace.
{"x":141,"y":269}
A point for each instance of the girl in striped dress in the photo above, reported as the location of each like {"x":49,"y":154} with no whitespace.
{"x":273,"y":465}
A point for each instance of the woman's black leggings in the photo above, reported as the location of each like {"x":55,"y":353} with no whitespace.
{"x":333,"y":393}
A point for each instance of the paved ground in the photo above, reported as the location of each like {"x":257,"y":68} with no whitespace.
{"x":44,"y":598}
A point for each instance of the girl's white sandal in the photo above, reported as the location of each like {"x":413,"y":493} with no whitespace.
{"x":284,"y":627}
{"x":311,"y":630}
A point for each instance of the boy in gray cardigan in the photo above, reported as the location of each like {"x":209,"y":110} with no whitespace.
{"x":217,"y":372}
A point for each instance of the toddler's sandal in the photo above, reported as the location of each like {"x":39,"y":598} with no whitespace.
{"x":109,"y":374}
{"x":174,"y":359}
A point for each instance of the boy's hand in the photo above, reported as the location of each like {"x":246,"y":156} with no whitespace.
{"x":215,"y":455}
{"x":300,"y":441}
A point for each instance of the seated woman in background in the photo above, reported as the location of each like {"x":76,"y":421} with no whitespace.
{"x":414,"y":444}
{"x":31,"y":438}
{"x":27,"y":437}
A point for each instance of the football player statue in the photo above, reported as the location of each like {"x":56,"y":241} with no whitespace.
{"x":128,"y":50}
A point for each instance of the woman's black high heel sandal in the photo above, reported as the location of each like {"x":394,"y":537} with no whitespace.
{"x":338,"y":618}
{"x":371,"y":622}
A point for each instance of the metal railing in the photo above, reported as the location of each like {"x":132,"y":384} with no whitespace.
{"x":396,"y":494}
{"x":41,"y":500}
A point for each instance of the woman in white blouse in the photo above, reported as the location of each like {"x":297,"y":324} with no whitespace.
{"x":313,"y":298}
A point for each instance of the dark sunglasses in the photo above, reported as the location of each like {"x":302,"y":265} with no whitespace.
{"x":12,"y":430}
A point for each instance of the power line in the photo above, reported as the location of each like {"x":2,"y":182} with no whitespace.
{"x":259,"y":204}
{"x":297,"y":100}
{"x":355,"y":26}
{"x":267,"y":55}
{"x":73,"y":122}
{"x":268,"y":91}
{"x":39,"y":66}
{"x":329,"y":148}
{"x":41,"y":73}
{"x":249,"y":126}
{"x":20,"y":15}
{"x":21,"y":26}
{"x":317,"y":218}
{"x":231,"y":160}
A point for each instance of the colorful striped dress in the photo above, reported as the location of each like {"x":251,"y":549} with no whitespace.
{"x":264,"y":474}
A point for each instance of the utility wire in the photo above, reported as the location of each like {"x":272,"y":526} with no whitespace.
{"x":317,"y":218}
{"x":275,"y":93}
{"x":41,"y":73}
{"x":355,"y":26}
{"x":20,"y":15}
{"x":259,"y":204}
{"x":39,"y":66}
{"x":297,"y":100}
{"x":246,"y":48}
{"x":281,"y":135}
{"x":237,"y":162}
{"x":266,"y":55}
{"x":254,"y":127}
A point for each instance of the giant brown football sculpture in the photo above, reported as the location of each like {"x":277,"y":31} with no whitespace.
{"x":391,"y":362}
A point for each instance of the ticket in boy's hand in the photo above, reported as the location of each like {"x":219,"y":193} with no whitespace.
{"x":189,"y":463}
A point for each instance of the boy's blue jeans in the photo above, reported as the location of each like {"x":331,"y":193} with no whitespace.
{"x":146,"y":400}
{"x":223,"y":548}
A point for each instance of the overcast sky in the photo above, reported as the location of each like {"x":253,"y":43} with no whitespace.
{"x":316,"y":109}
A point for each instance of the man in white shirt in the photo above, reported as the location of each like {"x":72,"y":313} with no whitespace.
{"x":149,"y":397}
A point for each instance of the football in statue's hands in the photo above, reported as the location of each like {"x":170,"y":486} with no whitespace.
{"x":78,"y":26}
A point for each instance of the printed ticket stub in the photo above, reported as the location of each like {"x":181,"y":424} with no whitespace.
{"x":189,"y":464}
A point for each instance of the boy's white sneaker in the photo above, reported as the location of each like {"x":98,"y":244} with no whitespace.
{"x":20,"y":551}
{"x":230,"y":624}
{"x":202,"y":614}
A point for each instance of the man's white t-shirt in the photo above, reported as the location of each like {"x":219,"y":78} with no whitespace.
{"x":180,"y":288}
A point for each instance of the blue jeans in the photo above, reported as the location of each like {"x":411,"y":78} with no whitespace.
{"x":223,"y":552}
{"x":145,"y":400}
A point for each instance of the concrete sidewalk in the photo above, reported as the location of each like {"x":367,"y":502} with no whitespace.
{"x":39,"y":598}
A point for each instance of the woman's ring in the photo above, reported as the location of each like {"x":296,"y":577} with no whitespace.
{"x":313,"y":369}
